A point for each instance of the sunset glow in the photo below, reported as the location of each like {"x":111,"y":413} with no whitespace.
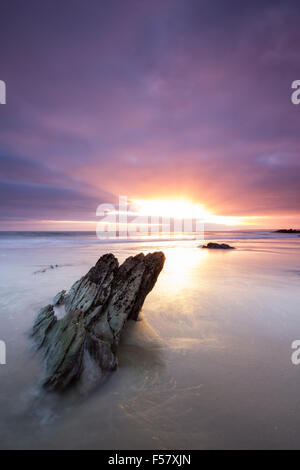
{"x":181,"y":208}
{"x":195,"y":120}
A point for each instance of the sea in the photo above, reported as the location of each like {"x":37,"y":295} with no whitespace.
{"x":208,"y":366}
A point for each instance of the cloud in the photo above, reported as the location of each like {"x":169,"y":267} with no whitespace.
{"x":151,"y":99}
{"x":31,"y":190}
{"x":21,"y":200}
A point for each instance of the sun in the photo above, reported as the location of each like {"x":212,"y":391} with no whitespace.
{"x":175,"y":208}
{"x":182,"y":209}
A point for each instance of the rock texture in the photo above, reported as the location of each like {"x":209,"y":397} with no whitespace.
{"x":59,"y":298}
{"x":218,"y":246}
{"x":97,"y":307}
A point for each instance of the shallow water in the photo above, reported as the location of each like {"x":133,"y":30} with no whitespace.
{"x":209,"y":365}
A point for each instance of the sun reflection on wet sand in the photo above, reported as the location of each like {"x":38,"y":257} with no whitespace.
{"x":179,"y":270}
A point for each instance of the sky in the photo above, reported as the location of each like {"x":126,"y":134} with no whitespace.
{"x":160,"y":99}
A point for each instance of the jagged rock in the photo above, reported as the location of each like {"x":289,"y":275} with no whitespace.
{"x":44,"y":322}
{"x":218,"y":246}
{"x":97,"y":307}
{"x":59,"y":298}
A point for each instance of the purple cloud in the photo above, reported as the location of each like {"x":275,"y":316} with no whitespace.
{"x":151,"y":99}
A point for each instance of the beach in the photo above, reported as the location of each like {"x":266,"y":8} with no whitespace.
{"x":208,"y":366}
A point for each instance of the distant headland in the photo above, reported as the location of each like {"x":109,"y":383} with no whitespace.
{"x":284,"y":230}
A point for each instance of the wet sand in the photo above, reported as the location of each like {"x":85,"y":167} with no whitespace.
{"x":207,"y":367}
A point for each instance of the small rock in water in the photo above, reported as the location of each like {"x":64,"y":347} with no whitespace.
{"x":218,"y":246}
{"x":284,"y":230}
{"x":43,"y":270}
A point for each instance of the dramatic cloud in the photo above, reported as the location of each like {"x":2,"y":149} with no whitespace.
{"x":29,"y":190}
{"x":149,"y":99}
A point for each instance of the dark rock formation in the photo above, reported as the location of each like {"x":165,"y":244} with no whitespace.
{"x":290,"y":230}
{"x":48,"y":268}
{"x":97,"y":307}
{"x":59,"y":298}
{"x":218,"y":246}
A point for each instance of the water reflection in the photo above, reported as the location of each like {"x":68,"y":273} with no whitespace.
{"x":180,"y":270}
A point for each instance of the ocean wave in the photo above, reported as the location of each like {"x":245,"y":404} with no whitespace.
{"x":42,"y":239}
